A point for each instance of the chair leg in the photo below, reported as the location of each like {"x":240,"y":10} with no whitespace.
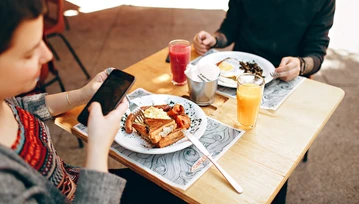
{"x":67,"y":25}
{"x":305,"y":158}
{"x":74,"y":54}
{"x":60,"y":83}
{"x":53,"y":51}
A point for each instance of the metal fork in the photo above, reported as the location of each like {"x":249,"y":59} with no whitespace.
{"x":136,"y":110}
{"x":274,"y":74}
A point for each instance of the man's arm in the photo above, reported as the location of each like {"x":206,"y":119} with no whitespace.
{"x":228,"y":30}
{"x":221,"y":40}
{"x":316,"y":39}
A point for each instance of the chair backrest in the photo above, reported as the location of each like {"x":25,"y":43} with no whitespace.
{"x":54,"y":18}
{"x":43,"y":74}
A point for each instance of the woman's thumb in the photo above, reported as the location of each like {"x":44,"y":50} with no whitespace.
{"x":95,"y":109}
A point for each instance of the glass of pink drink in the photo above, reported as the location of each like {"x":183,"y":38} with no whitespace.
{"x":180,"y":54}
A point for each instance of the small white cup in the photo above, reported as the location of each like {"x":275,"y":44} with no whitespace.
{"x":202,"y":83}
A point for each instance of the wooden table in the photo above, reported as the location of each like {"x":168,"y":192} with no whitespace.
{"x":262,"y":159}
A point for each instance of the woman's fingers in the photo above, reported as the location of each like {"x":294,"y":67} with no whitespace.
{"x":95,"y":110}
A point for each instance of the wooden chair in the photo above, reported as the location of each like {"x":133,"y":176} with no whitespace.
{"x":54,"y":25}
{"x":45,"y":70}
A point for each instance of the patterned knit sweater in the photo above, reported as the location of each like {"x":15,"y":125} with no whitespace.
{"x":34,"y":145}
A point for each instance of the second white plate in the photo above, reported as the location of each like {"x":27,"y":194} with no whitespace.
{"x":241,"y":56}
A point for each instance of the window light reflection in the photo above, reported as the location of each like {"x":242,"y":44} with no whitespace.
{"x":161,"y":78}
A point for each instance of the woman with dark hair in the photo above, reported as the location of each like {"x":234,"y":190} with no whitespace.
{"x":30,"y":169}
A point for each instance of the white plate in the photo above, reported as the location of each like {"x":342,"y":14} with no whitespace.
{"x":135,"y":142}
{"x":241,"y":56}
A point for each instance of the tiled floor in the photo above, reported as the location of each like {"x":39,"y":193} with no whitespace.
{"x":121,"y":36}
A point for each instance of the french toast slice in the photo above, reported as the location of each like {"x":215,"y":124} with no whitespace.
{"x":159,"y":128}
{"x":154,"y":129}
{"x":171,"y":138}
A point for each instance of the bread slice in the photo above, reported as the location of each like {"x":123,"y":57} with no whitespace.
{"x":142,"y":130}
{"x":155,"y":129}
{"x":171,"y":138}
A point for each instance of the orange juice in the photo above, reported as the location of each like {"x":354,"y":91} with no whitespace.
{"x":249,"y":97}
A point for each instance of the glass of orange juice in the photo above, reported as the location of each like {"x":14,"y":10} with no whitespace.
{"x":249,"y":96}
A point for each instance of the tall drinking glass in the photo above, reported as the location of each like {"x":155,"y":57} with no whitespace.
{"x":180,"y":53}
{"x":249,"y":96}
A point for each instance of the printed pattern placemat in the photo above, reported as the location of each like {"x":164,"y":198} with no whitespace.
{"x":275,"y":92}
{"x":195,"y":61}
{"x":182,"y":168}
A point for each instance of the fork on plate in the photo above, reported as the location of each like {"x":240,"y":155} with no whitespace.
{"x":274,"y":74}
{"x":136,"y":110}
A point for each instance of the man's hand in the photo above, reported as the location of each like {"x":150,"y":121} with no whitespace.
{"x":203,"y":41}
{"x":289,"y":68}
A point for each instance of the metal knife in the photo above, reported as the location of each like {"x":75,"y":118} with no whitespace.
{"x":204,"y":151}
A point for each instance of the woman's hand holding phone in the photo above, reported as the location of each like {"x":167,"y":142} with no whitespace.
{"x":90,"y":88}
{"x":102,"y":115}
{"x":110,"y":92}
{"x":101,"y":133}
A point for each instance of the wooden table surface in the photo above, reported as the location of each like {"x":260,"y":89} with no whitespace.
{"x":263,"y":158}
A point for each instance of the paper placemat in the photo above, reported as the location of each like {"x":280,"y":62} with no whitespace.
{"x":274,"y":94}
{"x":195,"y":61}
{"x":182,"y":168}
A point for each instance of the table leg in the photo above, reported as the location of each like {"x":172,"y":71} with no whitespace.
{"x":282,"y":194}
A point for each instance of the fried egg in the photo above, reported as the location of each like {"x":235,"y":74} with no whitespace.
{"x":153,"y":112}
{"x":229,"y":68}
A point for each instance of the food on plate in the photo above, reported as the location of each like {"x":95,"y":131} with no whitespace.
{"x":128,"y":124}
{"x":154,"y":129}
{"x":153,"y":112}
{"x":176,"y":110}
{"x":231,"y":68}
{"x":162,"y":125}
{"x":171,"y":138}
{"x":164,"y":107}
{"x":251,"y":67}
{"x":130,"y":119}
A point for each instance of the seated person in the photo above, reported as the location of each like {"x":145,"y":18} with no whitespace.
{"x":30,"y":168}
{"x":292,"y":35}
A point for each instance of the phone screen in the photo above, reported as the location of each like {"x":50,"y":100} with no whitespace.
{"x":110,"y":93}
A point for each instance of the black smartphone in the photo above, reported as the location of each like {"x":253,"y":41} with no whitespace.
{"x":168,"y":58}
{"x":110,"y":93}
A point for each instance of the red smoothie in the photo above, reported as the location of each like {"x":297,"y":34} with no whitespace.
{"x":179,"y":57}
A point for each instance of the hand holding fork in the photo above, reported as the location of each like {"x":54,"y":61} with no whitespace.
{"x":274,"y":74}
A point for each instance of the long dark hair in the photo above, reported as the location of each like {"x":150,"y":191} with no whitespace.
{"x":13,"y":13}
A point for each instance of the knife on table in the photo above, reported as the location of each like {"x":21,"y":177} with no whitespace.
{"x":204,"y":151}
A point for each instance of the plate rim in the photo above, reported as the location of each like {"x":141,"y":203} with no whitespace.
{"x":237,"y":52}
{"x":169,"y":149}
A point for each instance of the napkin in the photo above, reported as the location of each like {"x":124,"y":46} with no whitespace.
{"x":204,"y":72}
